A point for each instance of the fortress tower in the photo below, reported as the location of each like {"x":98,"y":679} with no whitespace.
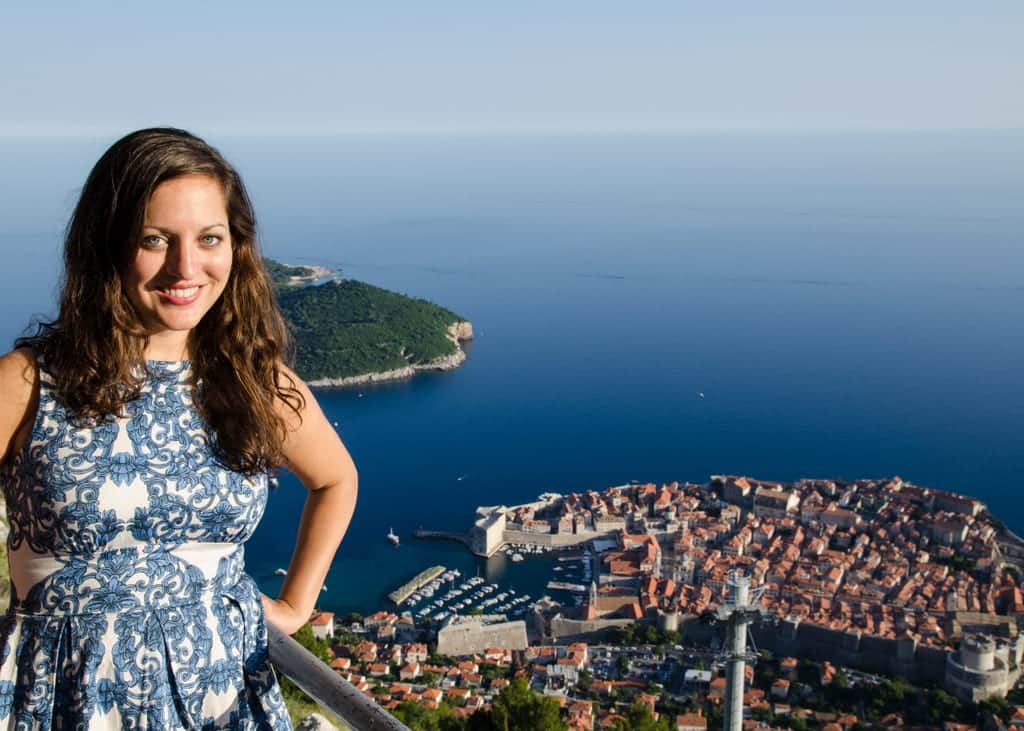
{"x":983,"y":667}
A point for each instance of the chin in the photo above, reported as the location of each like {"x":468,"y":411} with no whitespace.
{"x":178,"y":324}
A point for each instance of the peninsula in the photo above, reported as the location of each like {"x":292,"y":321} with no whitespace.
{"x":349,"y":332}
{"x":883,"y":574}
{"x":872,"y":603}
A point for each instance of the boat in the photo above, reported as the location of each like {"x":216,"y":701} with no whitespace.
{"x":280,"y":572}
{"x":517,"y":557}
{"x":392,"y":536}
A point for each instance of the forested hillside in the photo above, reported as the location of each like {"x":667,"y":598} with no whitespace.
{"x":348,"y":328}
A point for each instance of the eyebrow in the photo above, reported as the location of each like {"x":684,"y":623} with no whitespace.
{"x":169,"y":232}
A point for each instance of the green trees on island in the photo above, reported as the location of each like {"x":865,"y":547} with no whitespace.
{"x":349,"y":328}
{"x":281,"y":274}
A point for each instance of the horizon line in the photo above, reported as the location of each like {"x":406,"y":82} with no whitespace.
{"x":326,"y":132}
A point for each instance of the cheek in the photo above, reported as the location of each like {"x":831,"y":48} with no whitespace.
{"x":224,"y":267}
{"x":139,"y":271}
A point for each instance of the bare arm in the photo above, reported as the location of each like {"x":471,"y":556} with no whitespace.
{"x":18,"y":400}
{"x":315,"y":453}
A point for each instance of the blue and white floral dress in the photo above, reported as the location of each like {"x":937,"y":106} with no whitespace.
{"x":130,"y":607}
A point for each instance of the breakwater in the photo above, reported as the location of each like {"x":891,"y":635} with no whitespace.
{"x":406,"y":590}
{"x":444,"y":535}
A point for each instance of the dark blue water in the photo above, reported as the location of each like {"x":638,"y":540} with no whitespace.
{"x":849,"y":305}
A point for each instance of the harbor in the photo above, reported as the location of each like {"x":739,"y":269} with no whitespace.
{"x":439,"y":593}
{"x":474,"y":595}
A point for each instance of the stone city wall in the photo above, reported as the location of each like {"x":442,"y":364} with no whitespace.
{"x":565,"y":630}
{"x":919,"y":663}
{"x":550,"y":540}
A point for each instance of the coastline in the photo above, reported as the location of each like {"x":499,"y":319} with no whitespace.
{"x":319,"y":273}
{"x":457,"y":333}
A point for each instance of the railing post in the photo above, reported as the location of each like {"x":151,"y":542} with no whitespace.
{"x":326,"y":687}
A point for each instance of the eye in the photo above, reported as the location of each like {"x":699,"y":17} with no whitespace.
{"x":152,"y":242}
{"x":210,"y":240}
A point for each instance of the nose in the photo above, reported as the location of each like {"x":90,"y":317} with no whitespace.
{"x":180,"y":261}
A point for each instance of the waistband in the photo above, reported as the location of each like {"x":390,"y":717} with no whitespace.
{"x":143,"y":576}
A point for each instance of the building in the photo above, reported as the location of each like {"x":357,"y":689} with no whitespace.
{"x":469,"y":636}
{"x":322,"y":624}
{"x":411,"y":671}
{"x":775,"y":503}
{"x":691,"y":722}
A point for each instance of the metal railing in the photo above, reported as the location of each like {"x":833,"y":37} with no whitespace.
{"x":326,"y":687}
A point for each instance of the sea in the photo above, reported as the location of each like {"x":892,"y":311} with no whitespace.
{"x":646,"y":308}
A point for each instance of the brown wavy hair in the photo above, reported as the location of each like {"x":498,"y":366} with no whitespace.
{"x":95,"y":348}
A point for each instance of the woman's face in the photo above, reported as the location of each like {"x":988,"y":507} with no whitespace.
{"x":181,"y":263}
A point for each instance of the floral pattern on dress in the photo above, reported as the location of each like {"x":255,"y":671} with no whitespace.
{"x":130,"y":607}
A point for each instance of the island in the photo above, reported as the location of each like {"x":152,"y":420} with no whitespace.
{"x":349,"y":332}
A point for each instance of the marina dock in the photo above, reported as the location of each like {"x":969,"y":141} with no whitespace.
{"x":565,"y":586}
{"x":406,"y":590}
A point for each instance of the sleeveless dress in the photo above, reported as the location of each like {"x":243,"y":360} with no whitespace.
{"x":130,"y":608}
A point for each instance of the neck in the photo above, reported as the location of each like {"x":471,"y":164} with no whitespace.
{"x":167,"y":348}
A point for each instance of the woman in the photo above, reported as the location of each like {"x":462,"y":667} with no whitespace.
{"x":137,"y":431}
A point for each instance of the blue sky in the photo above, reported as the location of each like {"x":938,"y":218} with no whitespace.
{"x":322,"y":67}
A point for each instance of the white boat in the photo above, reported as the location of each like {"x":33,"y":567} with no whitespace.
{"x":280,"y":572}
{"x":392,"y":536}
{"x":517,"y":557}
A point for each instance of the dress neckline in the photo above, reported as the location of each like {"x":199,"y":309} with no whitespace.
{"x":169,"y":369}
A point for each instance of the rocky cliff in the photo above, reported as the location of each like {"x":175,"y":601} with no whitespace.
{"x":458,"y":332}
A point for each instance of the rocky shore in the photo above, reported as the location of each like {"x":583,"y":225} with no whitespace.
{"x":457,"y":333}
{"x":318,"y":273}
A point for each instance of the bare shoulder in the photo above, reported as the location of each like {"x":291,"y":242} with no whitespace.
{"x":18,"y":377}
{"x":289,"y":379}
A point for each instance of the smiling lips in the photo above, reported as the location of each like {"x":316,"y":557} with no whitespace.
{"x":179,"y":295}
